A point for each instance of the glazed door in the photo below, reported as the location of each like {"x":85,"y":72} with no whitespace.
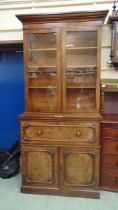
{"x":81,"y":70}
{"x":42,"y":70}
{"x":40,"y":166}
{"x":80,"y":167}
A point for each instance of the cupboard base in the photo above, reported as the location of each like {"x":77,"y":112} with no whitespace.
{"x":109,"y":189}
{"x":59,"y":192}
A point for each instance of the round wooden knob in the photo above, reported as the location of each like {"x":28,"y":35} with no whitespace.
{"x":78,"y":133}
{"x":39,"y":133}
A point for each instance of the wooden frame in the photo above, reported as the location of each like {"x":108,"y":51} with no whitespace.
{"x":63,"y":130}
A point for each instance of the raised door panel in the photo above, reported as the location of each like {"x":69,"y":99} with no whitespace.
{"x":40,"y":166}
{"x":42,"y":70}
{"x":81,"y":70}
{"x":79,"y":167}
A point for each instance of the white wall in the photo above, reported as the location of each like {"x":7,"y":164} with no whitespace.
{"x":10,"y":26}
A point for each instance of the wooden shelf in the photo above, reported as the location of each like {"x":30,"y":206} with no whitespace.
{"x":80,"y":48}
{"x":74,"y":66}
{"x":42,"y":87}
{"x":40,"y":49}
{"x":41,"y":67}
{"x":69,"y":87}
{"x":82,"y":66}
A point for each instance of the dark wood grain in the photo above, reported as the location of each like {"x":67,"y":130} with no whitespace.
{"x":60,"y":128}
{"x":109,"y":138}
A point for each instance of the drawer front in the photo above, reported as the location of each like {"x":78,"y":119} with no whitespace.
{"x":110,"y":133}
{"x":110,"y":179}
{"x":110,"y":161}
{"x":82,"y":132}
{"x":110,"y":147}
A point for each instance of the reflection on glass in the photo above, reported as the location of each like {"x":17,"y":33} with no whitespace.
{"x":81,"y":77}
{"x":42,"y":58}
{"x":79,"y":57}
{"x":41,"y":41}
{"x":80,"y":100}
{"x":43,"y":88}
{"x":81,"y":39}
{"x":42,"y":72}
{"x":42,"y":77}
{"x":43,"y":99}
{"x":81,"y":62}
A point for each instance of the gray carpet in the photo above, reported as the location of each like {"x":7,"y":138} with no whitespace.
{"x":12,"y":199}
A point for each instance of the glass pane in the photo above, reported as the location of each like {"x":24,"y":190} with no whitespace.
{"x":81,"y":66}
{"x":42,"y":58}
{"x":78,"y":57}
{"x":81,"y":39}
{"x":44,"y":99}
{"x":42,"y":77}
{"x":81,"y":77}
{"x":80,"y":100}
{"x":42,"y":72}
{"x":42,"y":41}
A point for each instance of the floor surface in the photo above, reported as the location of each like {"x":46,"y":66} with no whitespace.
{"x":12,"y":199}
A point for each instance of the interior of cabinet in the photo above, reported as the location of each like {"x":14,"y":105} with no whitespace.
{"x":80,"y":99}
{"x":80,"y":71}
{"x":111,"y":103}
{"x":81,"y":63}
{"x":43,"y":99}
{"x":81,"y":39}
{"x":79,"y":57}
{"x":110,"y":99}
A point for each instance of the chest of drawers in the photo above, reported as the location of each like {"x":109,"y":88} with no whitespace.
{"x":109,"y":156}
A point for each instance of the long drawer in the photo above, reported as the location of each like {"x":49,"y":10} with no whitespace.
{"x":110,"y":133}
{"x":110,"y":161}
{"x":110,"y":146}
{"x":53,"y":131}
{"x":110,"y":179}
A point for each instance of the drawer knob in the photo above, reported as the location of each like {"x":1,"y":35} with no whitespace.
{"x":78,"y":133}
{"x":39,"y":133}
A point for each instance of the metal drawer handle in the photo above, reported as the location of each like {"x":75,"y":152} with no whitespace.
{"x":39,"y":133}
{"x":78,"y":133}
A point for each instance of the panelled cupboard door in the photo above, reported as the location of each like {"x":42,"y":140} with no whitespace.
{"x":40,"y":166}
{"x":42,"y":70}
{"x":79,"y":167}
{"x":81,"y":69}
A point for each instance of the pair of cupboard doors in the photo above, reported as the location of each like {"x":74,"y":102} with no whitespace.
{"x":60,"y":169}
{"x":62,"y":67}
